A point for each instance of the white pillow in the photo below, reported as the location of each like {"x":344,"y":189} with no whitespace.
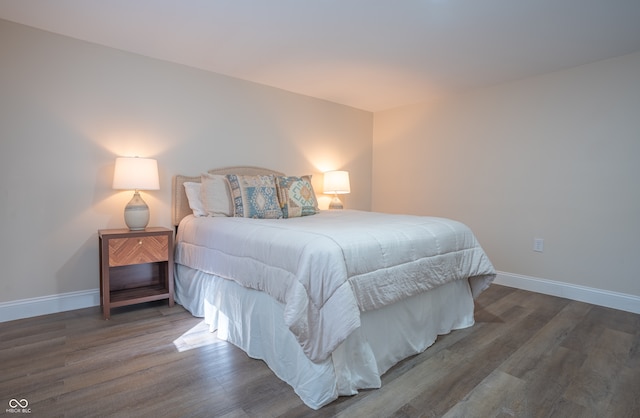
{"x":193,"y":197}
{"x":215,"y":195}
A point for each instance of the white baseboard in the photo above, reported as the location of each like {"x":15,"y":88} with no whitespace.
{"x":45,"y":305}
{"x":27,"y":308}
{"x":615,"y":300}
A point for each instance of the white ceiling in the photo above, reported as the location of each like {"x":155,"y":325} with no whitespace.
{"x":369,"y":54}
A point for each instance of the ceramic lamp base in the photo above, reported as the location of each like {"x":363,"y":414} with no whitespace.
{"x":336,"y":203}
{"x":136,"y":213}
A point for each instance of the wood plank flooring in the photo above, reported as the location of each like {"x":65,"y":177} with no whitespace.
{"x":529,"y":355}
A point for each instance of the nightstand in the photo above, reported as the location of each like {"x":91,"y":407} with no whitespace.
{"x":135,"y":267}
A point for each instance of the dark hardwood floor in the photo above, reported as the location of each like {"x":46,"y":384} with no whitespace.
{"x":529,"y":355}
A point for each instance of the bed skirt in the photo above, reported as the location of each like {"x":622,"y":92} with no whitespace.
{"x":253,"y":321}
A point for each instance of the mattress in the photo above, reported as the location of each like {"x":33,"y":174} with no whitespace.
{"x":328,"y":268}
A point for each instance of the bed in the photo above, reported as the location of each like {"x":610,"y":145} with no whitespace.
{"x":329,"y":300}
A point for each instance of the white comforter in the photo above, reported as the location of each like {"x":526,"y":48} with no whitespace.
{"x":328,"y":267}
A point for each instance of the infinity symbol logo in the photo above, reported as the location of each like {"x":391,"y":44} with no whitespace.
{"x":22,"y":403}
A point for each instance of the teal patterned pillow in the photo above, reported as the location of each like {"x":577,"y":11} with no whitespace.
{"x":296,"y":196}
{"x":254,"y":196}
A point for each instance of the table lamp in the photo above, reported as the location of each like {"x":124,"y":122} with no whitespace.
{"x":336,"y":182}
{"x":133,"y":173}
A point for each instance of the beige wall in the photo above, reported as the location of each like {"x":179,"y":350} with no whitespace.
{"x":68,"y":108}
{"x":555,"y":157}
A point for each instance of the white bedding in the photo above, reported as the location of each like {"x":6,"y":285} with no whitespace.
{"x":327,"y":268}
{"x":252,"y":320}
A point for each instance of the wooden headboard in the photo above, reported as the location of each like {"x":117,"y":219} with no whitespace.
{"x":179,"y":203}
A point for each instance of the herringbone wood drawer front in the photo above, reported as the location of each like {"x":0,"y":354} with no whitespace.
{"x":127,"y":251}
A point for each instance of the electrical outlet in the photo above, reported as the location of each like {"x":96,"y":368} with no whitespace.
{"x":538,"y":245}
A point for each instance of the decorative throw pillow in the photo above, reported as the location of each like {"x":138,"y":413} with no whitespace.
{"x":192,"y":189}
{"x":296,"y":196}
{"x":254,"y":196}
{"x":216,"y":197}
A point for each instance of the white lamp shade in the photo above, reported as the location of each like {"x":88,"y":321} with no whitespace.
{"x":133,"y":173}
{"x":337,"y":182}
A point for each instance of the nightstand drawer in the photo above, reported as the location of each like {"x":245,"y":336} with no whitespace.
{"x":127,"y":251}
